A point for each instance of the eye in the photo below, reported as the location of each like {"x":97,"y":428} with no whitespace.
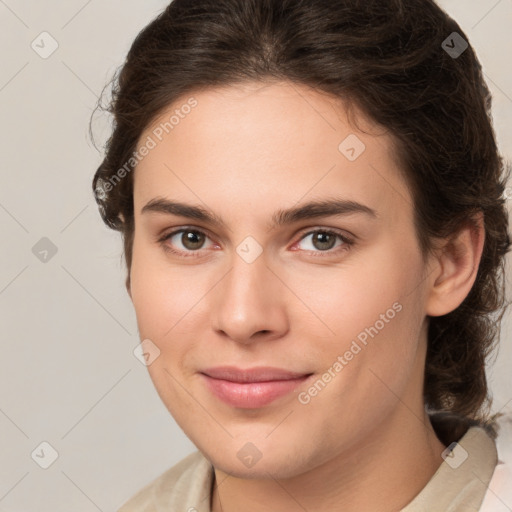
{"x":191,"y":241}
{"x":324,"y":240}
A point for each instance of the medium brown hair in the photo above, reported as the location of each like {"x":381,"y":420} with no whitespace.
{"x":388,"y":57}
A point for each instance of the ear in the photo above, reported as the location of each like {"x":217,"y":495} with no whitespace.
{"x":456,"y":267}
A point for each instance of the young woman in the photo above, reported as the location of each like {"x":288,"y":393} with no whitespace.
{"x":311,"y":201}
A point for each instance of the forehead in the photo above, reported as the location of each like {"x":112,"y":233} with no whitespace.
{"x":253,"y":145}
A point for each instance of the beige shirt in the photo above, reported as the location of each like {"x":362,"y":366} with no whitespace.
{"x":459,"y":484}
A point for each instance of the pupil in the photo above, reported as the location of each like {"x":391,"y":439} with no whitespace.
{"x":323,"y":240}
{"x":190,"y":239}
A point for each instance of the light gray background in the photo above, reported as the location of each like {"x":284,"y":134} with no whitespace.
{"x":68,"y":375}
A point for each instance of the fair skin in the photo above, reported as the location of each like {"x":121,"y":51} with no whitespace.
{"x":242,"y":154}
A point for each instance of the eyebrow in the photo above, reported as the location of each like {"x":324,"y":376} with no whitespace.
{"x":311,"y":210}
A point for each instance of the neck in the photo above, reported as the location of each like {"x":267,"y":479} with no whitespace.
{"x":385,"y":472}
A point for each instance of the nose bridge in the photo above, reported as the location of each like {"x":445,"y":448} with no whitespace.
{"x":248,"y":298}
{"x":247,"y":284}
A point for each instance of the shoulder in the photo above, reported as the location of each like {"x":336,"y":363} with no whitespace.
{"x":186,"y":486}
{"x":499,"y":494}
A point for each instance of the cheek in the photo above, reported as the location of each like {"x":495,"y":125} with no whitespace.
{"x":376,"y":315}
{"x":368,"y":294}
{"x":161,"y":300}
{"x":368,"y":371}
{"x":160,"y":294}
{"x":171,"y":313}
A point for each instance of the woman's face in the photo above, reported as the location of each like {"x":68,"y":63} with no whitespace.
{"x":325,"y":308}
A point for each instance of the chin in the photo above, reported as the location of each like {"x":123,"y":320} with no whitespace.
{"x":245,"y":460}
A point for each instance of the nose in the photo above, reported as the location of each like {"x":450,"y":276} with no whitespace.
{"x":249,"y":303}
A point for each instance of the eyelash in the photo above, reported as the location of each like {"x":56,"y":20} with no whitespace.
{"x":347,"y":242}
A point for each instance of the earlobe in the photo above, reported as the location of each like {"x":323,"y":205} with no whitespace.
{"x":458,"y":261}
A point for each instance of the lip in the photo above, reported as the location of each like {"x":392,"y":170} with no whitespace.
{"x":251,"y":388}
